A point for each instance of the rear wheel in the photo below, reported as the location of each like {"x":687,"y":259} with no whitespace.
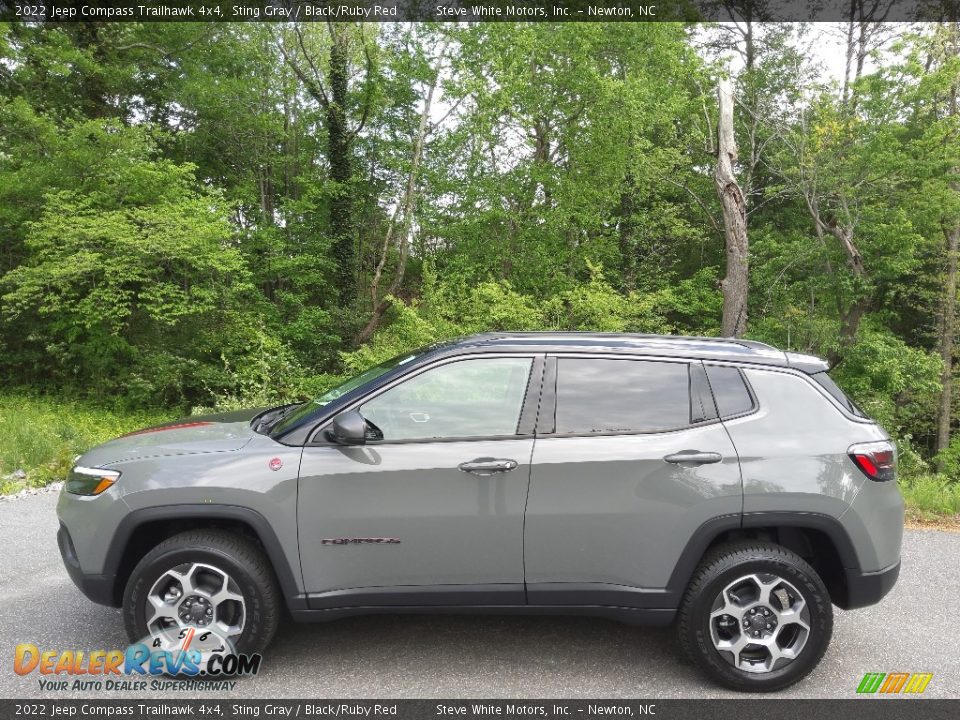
{"x":216,"y":586}
{"x":755,"y":617}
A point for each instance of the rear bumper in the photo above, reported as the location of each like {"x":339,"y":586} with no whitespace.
{"x":98,"y":588}
{"x":868,"y":588}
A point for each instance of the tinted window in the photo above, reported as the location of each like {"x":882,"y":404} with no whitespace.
{"x":301,"y":414}
{"x":595,"y":395}
{"x":469,"y":398}
{"x":702,"y":407}
{"x":729,"y":390}
{"x":828,"y":384}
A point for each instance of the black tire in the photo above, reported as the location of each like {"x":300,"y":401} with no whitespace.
{"x":724,"y":565}
{"x":238,"y":556}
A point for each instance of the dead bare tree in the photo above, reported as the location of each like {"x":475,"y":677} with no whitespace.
{"x":735,"y":283}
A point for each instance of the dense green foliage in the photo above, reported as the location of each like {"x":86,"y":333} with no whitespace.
{"x":40,"y":437}
{"x":198,"y":215}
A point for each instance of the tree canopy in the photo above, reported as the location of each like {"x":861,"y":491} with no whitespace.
{"x":217,"y":213}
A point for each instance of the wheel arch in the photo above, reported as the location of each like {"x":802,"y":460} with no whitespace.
{"x":820,"y":539}
{"x":143,"y":529}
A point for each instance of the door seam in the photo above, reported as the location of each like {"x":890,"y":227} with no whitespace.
{"x":526,"y":501}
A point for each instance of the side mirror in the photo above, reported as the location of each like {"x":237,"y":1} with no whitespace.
{"x":348,"y":428}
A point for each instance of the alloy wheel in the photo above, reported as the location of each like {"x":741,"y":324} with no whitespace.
{"x":198,"y":597}
{"x":759,"y":623}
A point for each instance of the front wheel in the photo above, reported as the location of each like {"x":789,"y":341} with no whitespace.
{"x":211,"y":588}
{"x":756,"y":617}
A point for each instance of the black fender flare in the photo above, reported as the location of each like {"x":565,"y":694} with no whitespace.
{"x":286,"y":576}
{"x":827,"y":524}
{"x":704,"y":536}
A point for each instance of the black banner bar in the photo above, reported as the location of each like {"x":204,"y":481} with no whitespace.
{"x":866,"y":708}
{"x":72,"y":11}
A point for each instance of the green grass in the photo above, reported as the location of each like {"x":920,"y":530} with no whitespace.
{"x":41,"y":436}
{"x":929,"y":497}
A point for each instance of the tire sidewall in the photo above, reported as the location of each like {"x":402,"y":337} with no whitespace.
{"x":153,"y":567}
{"x":821,"y":625}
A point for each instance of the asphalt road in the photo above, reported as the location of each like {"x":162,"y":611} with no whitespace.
{"x":915,"y":629}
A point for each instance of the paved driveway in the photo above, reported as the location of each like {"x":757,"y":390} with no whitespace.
{"x":915,"y":629}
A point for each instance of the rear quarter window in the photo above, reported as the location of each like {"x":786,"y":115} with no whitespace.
{"x":828,"y":384}
{"x":730,"y":391}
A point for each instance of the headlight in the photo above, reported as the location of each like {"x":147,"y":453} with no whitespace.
{"x":90,"y":481}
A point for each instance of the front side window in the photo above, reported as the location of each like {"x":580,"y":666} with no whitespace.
{"x":629,"y":396}
{"x":302,"y":413}
{"x":468,"y":398}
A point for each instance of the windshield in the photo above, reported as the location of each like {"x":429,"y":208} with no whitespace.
{"x":293,"y":418}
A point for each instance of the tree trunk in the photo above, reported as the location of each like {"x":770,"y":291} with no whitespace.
{"x":331,"y":91}
{"x":401,"y":220}
{"x":949,"y":315}
{"x":341,"y":167}
{"x":734,"y":284}
{"x":848,"y":66}
{"x":628,"y":231}
{"x":947,"y":332}
{"x":850,"y":314}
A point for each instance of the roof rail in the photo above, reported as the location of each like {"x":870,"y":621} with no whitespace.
{"x":755,"y":344}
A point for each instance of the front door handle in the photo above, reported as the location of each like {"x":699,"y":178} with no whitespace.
{"x":693,"y":457}
{"x":487,"y":466}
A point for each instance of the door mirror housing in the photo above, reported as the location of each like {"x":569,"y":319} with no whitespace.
{"x":348,"y":428}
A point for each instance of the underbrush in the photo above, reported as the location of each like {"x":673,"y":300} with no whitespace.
{"x":40,"y":436}
{"x":929,"y":497}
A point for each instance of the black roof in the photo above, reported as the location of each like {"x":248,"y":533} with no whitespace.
{"x":679,"y":346}
{"x":702,"y":348}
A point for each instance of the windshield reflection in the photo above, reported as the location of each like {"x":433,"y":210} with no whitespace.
{"x":293,"y":418}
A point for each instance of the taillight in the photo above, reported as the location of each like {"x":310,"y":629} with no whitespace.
{"x":877,"y":460}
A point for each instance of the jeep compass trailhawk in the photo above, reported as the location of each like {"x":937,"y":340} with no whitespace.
{"x":722,"y":484}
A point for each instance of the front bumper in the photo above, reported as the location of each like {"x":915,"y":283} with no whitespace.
{"x":99,"y":588}
{"x":868,"y":588}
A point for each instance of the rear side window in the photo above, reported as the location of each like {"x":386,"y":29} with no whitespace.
{"x":827,"y":383}
{"x":599,"y":395}
{"x":730,"y":391}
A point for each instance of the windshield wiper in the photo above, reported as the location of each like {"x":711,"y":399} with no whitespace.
{"x":273,"y":416}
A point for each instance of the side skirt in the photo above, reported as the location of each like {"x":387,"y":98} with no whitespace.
{"x":630,"y":616}
{"x":632,"y":605}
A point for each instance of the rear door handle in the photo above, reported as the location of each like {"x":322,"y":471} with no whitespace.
{"x":693,"y":457}
{"x":487,"y":466}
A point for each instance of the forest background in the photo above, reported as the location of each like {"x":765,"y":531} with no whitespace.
{"x":198,"y":216}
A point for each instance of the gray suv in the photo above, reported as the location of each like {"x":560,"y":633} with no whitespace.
{"x":719,"y":483}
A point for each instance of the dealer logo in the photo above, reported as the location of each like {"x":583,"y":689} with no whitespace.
{"x":195,"y":654}
{"x":894,"y":683}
